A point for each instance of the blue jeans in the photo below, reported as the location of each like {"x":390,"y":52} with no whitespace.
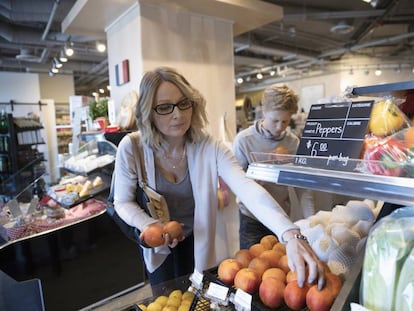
{"x":251,"y":231}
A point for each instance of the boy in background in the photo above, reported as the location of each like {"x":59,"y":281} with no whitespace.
{"x":271,"y":134}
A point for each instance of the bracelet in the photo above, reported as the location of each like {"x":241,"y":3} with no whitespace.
{"x":299,"y":236}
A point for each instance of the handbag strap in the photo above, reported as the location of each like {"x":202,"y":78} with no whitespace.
{"x":138,"y":153}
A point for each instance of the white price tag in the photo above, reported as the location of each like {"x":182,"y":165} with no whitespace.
{"x":33,"y":204}
{"x":197,"y":278}
{"x":243,"y":299}
{"x":217,"y":291}
{"x":14,"y":208}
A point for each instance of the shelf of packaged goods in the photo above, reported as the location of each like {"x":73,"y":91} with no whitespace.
{"x":398,"y":190}
{"x":64,"y":126}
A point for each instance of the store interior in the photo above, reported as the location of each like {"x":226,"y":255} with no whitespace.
{"x":60,"y":129}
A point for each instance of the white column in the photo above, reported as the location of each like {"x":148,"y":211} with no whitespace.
{"x":199,"y":46}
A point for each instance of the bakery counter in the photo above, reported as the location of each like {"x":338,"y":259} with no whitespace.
{"x":80,"y":257}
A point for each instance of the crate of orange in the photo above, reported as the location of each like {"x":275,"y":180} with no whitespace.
{"x":261,"y":271}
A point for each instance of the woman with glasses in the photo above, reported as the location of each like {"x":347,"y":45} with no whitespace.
{"x":182,"y":162}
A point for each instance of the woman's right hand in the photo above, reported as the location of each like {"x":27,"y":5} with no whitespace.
{"x":153,"y":235}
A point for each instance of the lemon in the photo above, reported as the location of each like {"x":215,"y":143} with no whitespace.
{"x":162,"y":300}
{"x":174,"y":301}
{"x":142,"y":307}
{"x":154,"y":306}
{"x":188,"y":296}
{"x":184,"y":307}
{"x":176,"y":293}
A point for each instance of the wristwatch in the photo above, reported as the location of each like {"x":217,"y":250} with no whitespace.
{"x":298,"y":236}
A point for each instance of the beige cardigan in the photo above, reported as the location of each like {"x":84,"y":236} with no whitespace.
{"x":206,"y":161}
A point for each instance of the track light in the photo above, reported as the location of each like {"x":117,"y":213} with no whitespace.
{"x":54,"y":70}
{"x":101,"y":47}
{"x":69,"y":49}
{"x":372,"y":2}
{"x":57,"y":63}
{"x":62,"y":57}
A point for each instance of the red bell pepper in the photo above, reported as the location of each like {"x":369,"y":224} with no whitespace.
{"x":385,"y":156}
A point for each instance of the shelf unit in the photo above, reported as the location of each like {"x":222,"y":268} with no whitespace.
{"x":396,"y":190}
{"x":21,"y":162}
{"x":63,"y":127}
{"x":86,"y":163}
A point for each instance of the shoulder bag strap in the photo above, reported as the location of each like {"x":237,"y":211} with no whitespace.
{"x":138,"y":153}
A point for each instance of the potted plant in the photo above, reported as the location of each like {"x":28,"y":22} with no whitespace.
{"x":98,"y":112}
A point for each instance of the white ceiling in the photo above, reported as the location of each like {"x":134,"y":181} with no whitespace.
{"x":312,"y":36}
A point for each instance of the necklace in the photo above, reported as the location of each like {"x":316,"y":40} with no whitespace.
{"x":172,"y":161}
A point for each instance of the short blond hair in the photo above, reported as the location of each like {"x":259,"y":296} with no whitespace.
{"x":280,"y":97}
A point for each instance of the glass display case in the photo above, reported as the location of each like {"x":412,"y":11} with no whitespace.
{"x":345,"y":176}
{"x":74,"y":246}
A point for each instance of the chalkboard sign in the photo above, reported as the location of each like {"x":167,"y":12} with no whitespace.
{"x":334,"y":134}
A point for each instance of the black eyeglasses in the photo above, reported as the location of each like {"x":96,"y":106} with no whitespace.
{"x":168,"y":108}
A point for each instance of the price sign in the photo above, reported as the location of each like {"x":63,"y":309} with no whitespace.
{"x":334,"y":134}
{"x":217,"y":292}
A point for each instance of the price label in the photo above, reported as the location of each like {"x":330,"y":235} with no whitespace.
{"x":334,"y":134}
{"x":217,"y":291}
{"x":32,"y":207}
{"x":243,"y":299}
{"x":197,"y":278}
{"x":14,"y":208}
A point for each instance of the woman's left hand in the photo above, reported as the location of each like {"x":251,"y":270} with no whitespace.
{"x":171,"y":242}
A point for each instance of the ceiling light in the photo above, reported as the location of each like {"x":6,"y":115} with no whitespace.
{"x":378,"y":71}
{"x":240,"y":80}
{"x":342,"y":28}
{"x":398,"y":69}
{"x":101,"y":47}
{"x":54,"y":70}
{"x":272,"y":72}
{"x":259,"y":76}
{"x":69,"y":49}
{"x":57,"y":63}
{"x":372,"y":2}
{"x":62,"y":57}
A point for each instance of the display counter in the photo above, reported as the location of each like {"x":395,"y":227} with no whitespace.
{"x":79,"y":263}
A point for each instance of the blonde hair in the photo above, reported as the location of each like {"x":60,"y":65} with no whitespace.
{"x":280,"y":97}
{"x":144,"y":108}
